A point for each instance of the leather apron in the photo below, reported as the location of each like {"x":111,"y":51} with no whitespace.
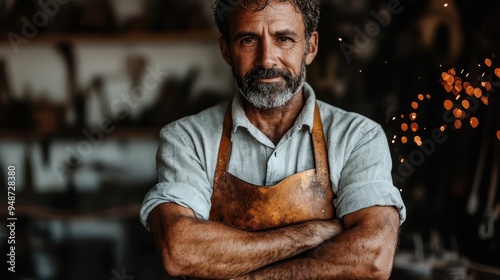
{"x":303,"y":196}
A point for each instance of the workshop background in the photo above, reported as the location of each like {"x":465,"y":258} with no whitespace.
{"x":86,"y":85}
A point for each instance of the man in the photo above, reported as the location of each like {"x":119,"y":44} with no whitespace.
{"x":275,"y":184}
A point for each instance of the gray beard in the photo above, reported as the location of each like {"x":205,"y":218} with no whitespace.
{"x":266,"y":96}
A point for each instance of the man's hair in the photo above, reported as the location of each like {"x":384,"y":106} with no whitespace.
{"x":223,"y":9}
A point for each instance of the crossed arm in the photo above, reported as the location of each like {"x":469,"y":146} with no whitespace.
{"x":192,"y":247}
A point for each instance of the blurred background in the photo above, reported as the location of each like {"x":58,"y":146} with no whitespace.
{"x":86,"y":85}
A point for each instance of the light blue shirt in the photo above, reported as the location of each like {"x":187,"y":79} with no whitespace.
{"x":358,"y":155}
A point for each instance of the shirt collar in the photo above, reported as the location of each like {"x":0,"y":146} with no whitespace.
{"x":305,"y":118}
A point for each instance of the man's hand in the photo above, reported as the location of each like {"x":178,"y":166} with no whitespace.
{"x":192,"y":247}
{"x":364,"y":251}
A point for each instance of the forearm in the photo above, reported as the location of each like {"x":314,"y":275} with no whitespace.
{"x":365,"y":251}
{"x":192,"y":247}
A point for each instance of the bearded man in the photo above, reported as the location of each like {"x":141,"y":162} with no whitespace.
{"x":273,"y":184}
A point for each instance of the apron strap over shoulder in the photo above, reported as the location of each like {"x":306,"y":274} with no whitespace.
{"x":319,"y":146}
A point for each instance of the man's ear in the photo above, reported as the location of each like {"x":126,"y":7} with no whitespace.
{"x":313,"y":48}
{"x":224,"y":49}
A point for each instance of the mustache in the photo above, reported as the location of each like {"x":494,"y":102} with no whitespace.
{"x":261,"y":73}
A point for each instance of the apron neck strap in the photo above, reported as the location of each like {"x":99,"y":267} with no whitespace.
{"x":318,"y":139}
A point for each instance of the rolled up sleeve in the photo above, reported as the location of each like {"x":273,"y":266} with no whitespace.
{"x":366,"y":179}
{"x":182,"y":176}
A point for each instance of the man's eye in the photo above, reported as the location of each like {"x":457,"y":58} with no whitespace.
{"x":284,"y":39}
{"x":248,"y":40}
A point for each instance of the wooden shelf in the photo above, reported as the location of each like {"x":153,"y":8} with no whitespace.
{"x":206,"y":36}
{"x":76,"y":134}
{"x":41,"y":212}
{"x":116,"y":201}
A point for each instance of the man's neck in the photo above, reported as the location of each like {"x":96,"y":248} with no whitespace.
{"x":274,"y":123}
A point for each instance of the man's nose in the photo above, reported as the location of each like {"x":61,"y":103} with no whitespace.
{"x":267,"y":54}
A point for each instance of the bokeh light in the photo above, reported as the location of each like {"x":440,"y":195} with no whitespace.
{"x":474,"y":122}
